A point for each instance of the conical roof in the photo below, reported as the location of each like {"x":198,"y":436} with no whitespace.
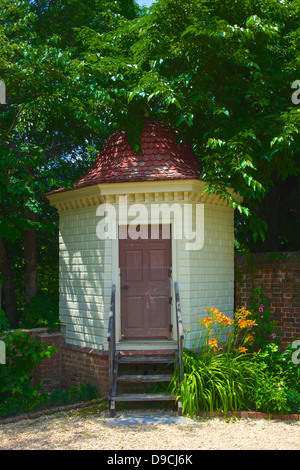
{"x":160,"y":158}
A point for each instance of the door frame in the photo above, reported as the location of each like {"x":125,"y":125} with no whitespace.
{"x":116,"y":279}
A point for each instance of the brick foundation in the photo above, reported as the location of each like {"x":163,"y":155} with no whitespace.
{"x":84,"y":365}
{"x":71,"y":365}
{"x":279,"y":275}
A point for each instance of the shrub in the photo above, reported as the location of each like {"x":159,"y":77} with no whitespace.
{"x":59,"y":398}
{"x":293,"y":401}
{"x":231,"y":375}
{"x":23,"y":355}
{"x":266,"y":330}
{"x":218,"y":382}
{"x":218,"y":374}
{"x":269,"y":395}
{"x":281,"y":382}
{"x":279,"y":364}
{"x":40,"y":400}
{"x":85,"y":392}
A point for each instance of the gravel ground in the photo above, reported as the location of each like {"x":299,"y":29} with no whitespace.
{"x":89,"y":430}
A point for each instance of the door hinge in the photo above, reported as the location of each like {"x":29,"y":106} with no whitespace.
{"x":170,"y":327}
{"x":170,"y":272}
{"x":170,"y":300}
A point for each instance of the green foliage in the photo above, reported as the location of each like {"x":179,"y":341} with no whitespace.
{"x":269,"y":395}
{"x":262,"y":382}
{"x":42,"y":311}
{"x":14,"y":405}
{"x":4,"y":325}
{"x":293,"y":401}
{"x":218,"y":384}
{"x":218,"y":372}
{"x":218,"y":72}
{"x":281,"y":380}
{"x":266,"y":330}
{"x":224,"y":371}
{"x":41,"y":400}
{"x":85,"y":392}
{"x":225,"y":82}
{"x":50,"y":126}
{"x":279,"y":364}
{"x":59,"y":397}
{"x":23,"y":355}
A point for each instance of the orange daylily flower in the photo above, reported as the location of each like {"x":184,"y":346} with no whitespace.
{"x":213,"y":343}
{"x":214,"y":310}
{"x":224,"y":319}
{"x":242,"y":323}
{"x":249,"y":338}
{"x":206,"y":322}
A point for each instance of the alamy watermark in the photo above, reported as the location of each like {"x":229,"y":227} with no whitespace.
{"x":296,"y":94}
{"x":2,"y":92}
{"x":187,"y":220}
{"x":2,"y":353}
{"x":296,"y":354}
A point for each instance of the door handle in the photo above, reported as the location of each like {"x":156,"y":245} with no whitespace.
{"x":125,"y":287}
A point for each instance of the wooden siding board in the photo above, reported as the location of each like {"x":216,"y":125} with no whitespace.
{"x":206,"y":276}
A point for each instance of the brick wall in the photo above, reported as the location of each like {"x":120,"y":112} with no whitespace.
{"x":279,"y":275}
{"x":71,"y":365}
{"x":48,"y":371}
{"x":84,"y":365}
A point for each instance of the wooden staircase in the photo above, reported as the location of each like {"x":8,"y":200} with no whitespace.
{"x":127,"y":368}
{"x":133,"y":362}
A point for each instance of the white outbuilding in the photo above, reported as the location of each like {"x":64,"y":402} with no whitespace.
{"x":138,"y":225}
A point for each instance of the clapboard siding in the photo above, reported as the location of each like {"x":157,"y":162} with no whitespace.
{"x":89,"y":266}
{"x":206,"y":276}
{"x":85,"y":278}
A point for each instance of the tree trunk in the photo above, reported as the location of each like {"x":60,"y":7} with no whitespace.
{"x":30,"y":257}
{"x":9,"y":301}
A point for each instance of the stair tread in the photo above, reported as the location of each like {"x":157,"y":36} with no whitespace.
{"x":146,"y":359}
{"x":145,"y":397}
{"x":145,"y":378}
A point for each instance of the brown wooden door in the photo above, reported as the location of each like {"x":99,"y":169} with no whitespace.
{"x":145,"y":268}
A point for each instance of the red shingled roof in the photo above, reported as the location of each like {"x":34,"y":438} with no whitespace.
{"x":160,"y":158}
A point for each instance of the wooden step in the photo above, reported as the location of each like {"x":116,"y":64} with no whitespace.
{"x":145,"y":397}
{"x":145,"y":378}
{"x":146,"y":359}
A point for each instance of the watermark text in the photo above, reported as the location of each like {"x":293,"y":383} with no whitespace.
{"x":296,"y":354}
{"x":2,"y":353}
{"x":2,"y":92}
{"x":296,"y":94}
{"x":187,"y":221}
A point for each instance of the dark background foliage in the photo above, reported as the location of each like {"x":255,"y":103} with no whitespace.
{"x":75,"y":71}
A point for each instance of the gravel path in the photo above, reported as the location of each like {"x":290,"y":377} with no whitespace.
{"x":89,"y":430}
